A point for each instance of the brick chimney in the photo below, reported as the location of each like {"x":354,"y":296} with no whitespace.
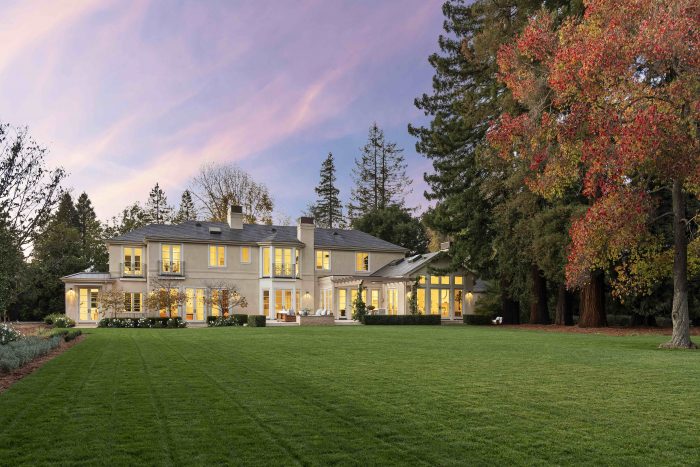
{"x":235,"y":217}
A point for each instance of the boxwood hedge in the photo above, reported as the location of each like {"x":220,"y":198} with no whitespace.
{"x":402,"y":319}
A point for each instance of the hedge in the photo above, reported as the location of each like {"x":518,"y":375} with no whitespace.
{"x":68,"y":335}
{"x":238,"y":319}
{"x":477,"y":320}
{"x":402,"y":319}
{"x":172,"y":323}
{"x":257,"y":321}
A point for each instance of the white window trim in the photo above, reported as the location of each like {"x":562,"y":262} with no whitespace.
{"x":182,"y":251}
{"x":250,"y":255}
{"x":216,"y":266}
{"x":330,"y":260}
{"x":369,"y":261}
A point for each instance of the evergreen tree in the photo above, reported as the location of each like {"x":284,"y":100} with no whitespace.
{"x":91,"y":234}
{"x":132,"y":217}
{"x":58,"y":251}
{"x":472,"y":191}
{"x":396,"y":225}
{"x":379,"y":175}
{"x":157,"y":210}
{"x":328,"y":210}
{"x":187,"y":210}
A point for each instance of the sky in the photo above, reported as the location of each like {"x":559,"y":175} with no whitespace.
{"x":125,"y":94}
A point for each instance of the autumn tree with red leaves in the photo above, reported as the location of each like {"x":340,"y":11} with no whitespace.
{"x":614,"y":107}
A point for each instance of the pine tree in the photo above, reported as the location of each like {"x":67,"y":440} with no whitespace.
{"x":187,"y":210}
{"x":157,"y":210}
{"x":91,"y":234}
{"x":132,"y":217}
{"x":379,"y":175}
{"x":328,"y":210}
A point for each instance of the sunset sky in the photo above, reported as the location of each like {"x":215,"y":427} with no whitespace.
{"x":127,"y":93}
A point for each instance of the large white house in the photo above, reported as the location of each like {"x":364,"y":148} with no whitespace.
{"x":275,"y":268}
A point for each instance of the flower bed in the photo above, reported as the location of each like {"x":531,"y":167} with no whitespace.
{"x":8,"y":334}
{"x":158,"y":323}
{"x":22,"y":351}
{"x":231,"y":320}
{"x":59,"y":320}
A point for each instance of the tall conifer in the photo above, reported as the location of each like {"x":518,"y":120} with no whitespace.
{"x":328,"y":210}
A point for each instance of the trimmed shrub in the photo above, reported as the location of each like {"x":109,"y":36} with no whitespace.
{"x":142,"y":323}
{"x":240,"y":319}
{"x":477,"y":320}
{"x":402,"y":319}
{"x":59,"y":320}
{"x":257,"y":321}
{"x":20,"y":352}
{"x":8,"y":334}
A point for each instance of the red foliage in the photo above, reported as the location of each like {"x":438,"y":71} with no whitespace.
{"x":622,"y":108}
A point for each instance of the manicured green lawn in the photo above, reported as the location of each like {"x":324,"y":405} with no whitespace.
{"x":356,"y":395}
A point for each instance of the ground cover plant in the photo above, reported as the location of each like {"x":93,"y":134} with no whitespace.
{"x":356,"y":395}
{"x":22,"y":351}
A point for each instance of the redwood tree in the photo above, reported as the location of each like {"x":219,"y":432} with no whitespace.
{"x":623,"y":120}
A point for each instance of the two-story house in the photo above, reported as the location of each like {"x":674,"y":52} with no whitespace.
{"x":275,"y":268}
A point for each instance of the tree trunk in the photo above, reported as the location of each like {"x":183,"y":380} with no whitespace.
{"x":564,"y":314}
{"x":680,"y":339}
{"x":510,"y":307}
{"x":592,"y":313}
{"x":539,"y":312}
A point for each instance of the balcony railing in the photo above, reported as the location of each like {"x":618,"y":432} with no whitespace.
{"x":132,"y":269}
{"x":171,"y":268}
{"x":284,"y":270}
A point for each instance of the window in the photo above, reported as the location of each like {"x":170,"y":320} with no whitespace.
{"x":266,"y":261}
{"x":245,"y":254}
{"x":458,"y":303}
{"x":434,"y":279}
{"x":323,"y":260}
{"x":421,"y":279}
{"x":361,"y":261}
{"x":353,"y":297}
{"x":217,"y":256}
{"x":445,"y":280}
{"x":392,"y":299}
{"x":420,"y":298}
{"x":170,"y":259}
{"x":132,"y":261}
{"x":440,"y":302}
{"x":89,"y":310}
{"x":342,"y":301}
{"x":459,"y":280}
{"x":266,"y":302}
{"x":194,"y":307}
{"x":283,"y":262}
{"x":283,"y":300}
{"x":220,"y":305}
{"x":374,"y":295}
{"x":133,"y":302}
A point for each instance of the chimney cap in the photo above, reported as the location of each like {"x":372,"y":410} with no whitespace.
{"x":306,"y":220}
{"x":236,"y":209}
{"x":445,"y":246}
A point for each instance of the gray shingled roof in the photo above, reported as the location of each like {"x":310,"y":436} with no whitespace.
{"x":253,"y":233}
{"x":405,"y":266}
{"x":87,"y":275}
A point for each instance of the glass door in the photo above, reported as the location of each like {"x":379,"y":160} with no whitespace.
{"x":89,"y":308}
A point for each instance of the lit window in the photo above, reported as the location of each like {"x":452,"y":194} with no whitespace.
{"x":375,"y":298}
{"x":420,"y":298}
{"x":434,"y":279}
{"x":133,"y":302}
{"x":217,"y":256}
{"x":459,"y":280}
{"x":421,"y":279}
{"x":392,"y":301}
{"x":245,"y":254}
{"x":361,"y":261}
{"x":323,"y":260}
{"x":444,"y":279}
{"x":132,"y":261}
{"x":266,"y":261}
{"x":170,"y":256}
